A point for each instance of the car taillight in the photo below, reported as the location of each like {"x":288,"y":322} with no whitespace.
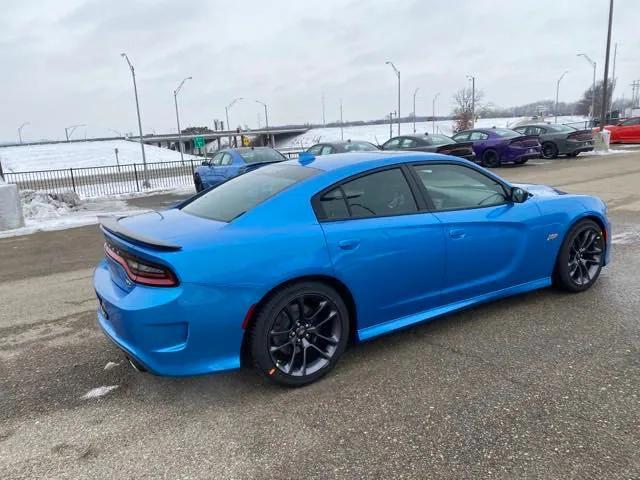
{"x":141,"y":271}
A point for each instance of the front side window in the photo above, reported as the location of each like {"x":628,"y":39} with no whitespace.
{"x":227,"y":159}
{"x":241,"y":194}
{"x":461,"y":137}
{"x":408,"y":143}
{"x":391,"y":144}
{"x":217,"y":159}
{"x":478,"y":136}
{"x":315,"y":149}
{"x":378,"y":194}
{"x":326,"y":150}
{"x":506,"y":132}
{"x":454,"y":187}
{"x":439,"y":139}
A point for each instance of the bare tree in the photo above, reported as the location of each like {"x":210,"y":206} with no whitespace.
{"x":463,"y":103}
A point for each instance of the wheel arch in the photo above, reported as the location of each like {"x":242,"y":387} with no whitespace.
{"x":585,"y":216}
{"x":333,"y":282}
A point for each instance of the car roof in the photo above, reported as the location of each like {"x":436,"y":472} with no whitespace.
{"x":356,"y":162}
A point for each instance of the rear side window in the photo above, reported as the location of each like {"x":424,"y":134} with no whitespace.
{"x":261,"y":155}
{"x":378,"y":194}
{"x":240,"y":194}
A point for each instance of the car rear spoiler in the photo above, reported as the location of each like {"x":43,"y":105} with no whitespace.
{"x":113,"y":226}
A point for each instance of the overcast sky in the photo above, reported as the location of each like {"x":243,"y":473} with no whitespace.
{"x":61,"y":65}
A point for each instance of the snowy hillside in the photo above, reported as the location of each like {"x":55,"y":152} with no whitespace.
{"x":379,"y":134}
{"x":81,"y":154}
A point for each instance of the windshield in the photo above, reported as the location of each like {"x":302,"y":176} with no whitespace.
{"x":241,"y":194}
{"x":440,"y":139}
{"x":506,"y":133}
{"x":359,"y":147}
{"x":261,"y":155}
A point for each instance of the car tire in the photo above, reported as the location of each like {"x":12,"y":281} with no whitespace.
{"x":581,"y":257}
{"x":198,"y":183}
{"x":490,"y":159}
{"x":294,"y":350}
{"x":549,"y":150}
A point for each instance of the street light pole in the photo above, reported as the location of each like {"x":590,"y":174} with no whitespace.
{"x":593,"y":85}
{"x":175,"y":100}
{"x":414,"y":108}
{"x":603,"y":111}
{"x":20,"y":130}
{"x":266,"y":121}
{"x":433,"y":111}
{"x":398,"y":75}
{"x":557,"y":93}
{"x":473,"y":100}
{"x":145,"y":182}
{"x":72,"y":128}
{"x":226,"y":112}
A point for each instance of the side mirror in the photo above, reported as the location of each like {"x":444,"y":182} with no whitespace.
{"x":306,"y":157}
{"x":204,"y":163}
{"x":518,"y":195}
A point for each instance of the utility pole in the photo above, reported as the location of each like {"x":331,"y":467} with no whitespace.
{"x":557,"y":92}
{"x":398,"y":75}
{"x":414,"y":108}
{"x":324,"y":122}
{"x":20,"y":131}
{"x":613,"y":78}
{"x":390,"y":124}
{"x":341,"y":127}
{"x":433,"y":111}
{"x":145,"y":181}
{"x":603,"y":112}
{"x":473,"y":100}
{"x":175,"y":99}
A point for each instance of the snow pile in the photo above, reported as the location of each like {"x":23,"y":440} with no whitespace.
{"x":45,"y":206}
{"x":82,"y":154}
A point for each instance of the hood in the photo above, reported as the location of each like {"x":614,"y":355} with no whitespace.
{"x":539,"y":190}
{"x":167,"y":230}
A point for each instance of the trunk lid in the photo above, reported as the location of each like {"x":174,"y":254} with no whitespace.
{"x":525,"y":141}
{"x":456,"y":149}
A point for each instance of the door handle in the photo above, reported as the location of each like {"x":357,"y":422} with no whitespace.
{"x":457,"y":233}
{"x":350,"y":244}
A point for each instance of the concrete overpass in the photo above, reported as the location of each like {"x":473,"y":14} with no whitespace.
{"x":170,"y":140}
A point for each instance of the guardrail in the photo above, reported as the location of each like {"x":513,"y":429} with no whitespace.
{"x":112,"y":179}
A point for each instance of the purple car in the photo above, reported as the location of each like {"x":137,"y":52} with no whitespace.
{"x":495,"y":146}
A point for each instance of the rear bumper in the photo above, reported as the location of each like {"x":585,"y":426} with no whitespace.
{"x":180,"y":331}
{"x":570,"y":147}
{"x":511,"y":156}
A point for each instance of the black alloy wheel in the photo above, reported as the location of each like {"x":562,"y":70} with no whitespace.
{"x":581,"y":257}
{"x":549,"y":150}
{"x":490,"y":159}
{"x":300,"y":334}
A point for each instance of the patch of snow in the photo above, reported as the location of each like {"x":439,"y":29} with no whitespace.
{"x":602,"y":153}
{"x":83,"y":154}
{"x":111,"y":365}
{"x":57,"y":211}
{"x":99,"y":392}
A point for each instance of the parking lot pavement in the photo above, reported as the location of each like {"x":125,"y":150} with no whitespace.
{"x":544,"y":385}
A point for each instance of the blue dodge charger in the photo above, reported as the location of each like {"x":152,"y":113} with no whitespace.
{"x":231,"y":162}
{"x":284,"y":265}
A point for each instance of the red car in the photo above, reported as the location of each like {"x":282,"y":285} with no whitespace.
{"x":627,"y":131}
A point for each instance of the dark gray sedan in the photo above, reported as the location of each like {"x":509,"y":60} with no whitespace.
{"x":435,"y":143}
{"x":558,"y":139}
